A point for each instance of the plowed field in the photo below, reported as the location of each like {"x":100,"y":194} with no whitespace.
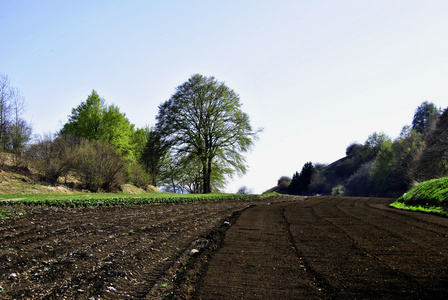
{"x":119,"y":252}
{"x":330,"y":248}
{"x":318,"y":248}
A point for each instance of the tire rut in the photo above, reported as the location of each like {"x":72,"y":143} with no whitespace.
{"x":324,"y":287}
{"x":258,"y":261}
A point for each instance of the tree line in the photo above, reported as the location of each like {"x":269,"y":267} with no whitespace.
{"x":382,"y":166}
{"x":196,"y":145}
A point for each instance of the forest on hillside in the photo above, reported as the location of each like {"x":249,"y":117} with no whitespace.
{"x":381,"y":166}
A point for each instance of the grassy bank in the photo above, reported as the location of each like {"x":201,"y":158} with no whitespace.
{"x":429,"y":196}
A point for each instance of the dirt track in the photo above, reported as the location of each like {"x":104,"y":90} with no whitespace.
{"x":322,"y":247}
{"x":330,"y":248}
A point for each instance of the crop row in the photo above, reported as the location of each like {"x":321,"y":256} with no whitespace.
{"x":85,"y":202}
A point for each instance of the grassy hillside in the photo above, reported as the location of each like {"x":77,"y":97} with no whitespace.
{"x":276,"y":189}
{"x":429,"y":196}
{"x":17,"y":183}
{"x":19,"y":186}
{"x":333,"y":173}
{"x":18,"y":178}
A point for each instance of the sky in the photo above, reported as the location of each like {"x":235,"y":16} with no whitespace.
{"x":316,"y":75}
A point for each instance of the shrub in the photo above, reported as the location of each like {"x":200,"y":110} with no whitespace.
{"x":338,"y":190}
{"x":244,"y":190}
{"x":319,"y":184}
{"x":283,"y":184}
{"x":360,"y":183}
{"x":99,"y":166}
{"x":52,"y":157}
{"x":138,"y":176}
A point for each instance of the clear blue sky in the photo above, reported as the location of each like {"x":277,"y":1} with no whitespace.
{"x":317,"y":75}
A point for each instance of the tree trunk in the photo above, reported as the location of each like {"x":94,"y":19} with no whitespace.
{"x":207,"y":171}
{"x":205,"y":179}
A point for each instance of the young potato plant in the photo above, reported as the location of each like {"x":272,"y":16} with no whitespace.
{"x":126,"y":200}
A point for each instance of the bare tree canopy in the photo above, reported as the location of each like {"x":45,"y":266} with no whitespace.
{"x":15,"y":132}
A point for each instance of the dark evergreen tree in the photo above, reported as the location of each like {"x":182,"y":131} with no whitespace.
{"x":301,"y":181}
{"x":154,"y":155}
{"x":423,"y":114}
{"x":294,"y":186}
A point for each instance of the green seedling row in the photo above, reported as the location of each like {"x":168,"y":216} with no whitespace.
{"x":87,"y":202}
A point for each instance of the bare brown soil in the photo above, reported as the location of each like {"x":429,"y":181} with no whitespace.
{"x":118,"y":252}
{"x":330,"y":248}
{"x":319,"y":248}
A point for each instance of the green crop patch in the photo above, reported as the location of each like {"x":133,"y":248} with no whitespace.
{"x":114,"y":199}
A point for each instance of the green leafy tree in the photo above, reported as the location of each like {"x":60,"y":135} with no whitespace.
{"x":405,"y":147}
{"x":432,"y":161}
{"x":138,"y":140}
{"x":118,"y":131}
{"x":381,"y":168}
{"x":373,"y":145}
{"x":87,"y":118}
{"x":204,"y":119}
{"x":423,"y":114}
{"x":94,"y":121}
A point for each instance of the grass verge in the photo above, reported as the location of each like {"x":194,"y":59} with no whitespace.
{"x":429,"y":196}
{"x":432,"y":210}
